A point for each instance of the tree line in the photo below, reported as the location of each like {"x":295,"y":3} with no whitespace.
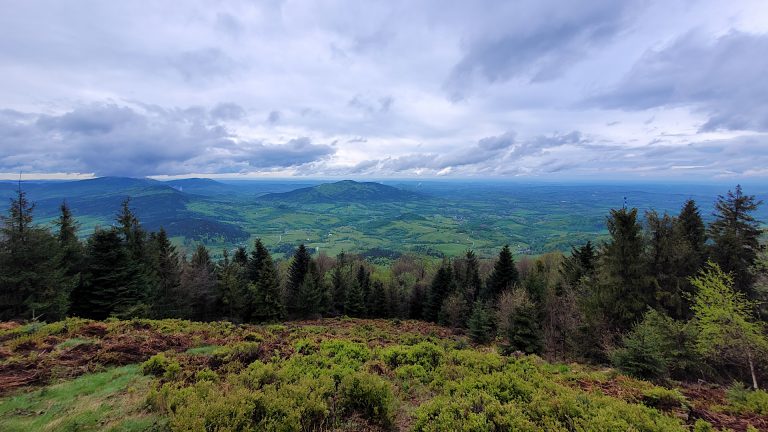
{"x":664,"y":296}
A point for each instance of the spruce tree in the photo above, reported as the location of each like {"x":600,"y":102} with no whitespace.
{"x":339,"y":284}
{"x":33,"y":282}
{"x":480,"y":323}
{"x":140,"y":276}
{"x":581,"y":263}
{"x":624,"y":288}
{"x":295,"y":285}
{"x":241,"y":257}
{"x":364,"y":280}
{"x":524,"y":331}
{"x":354,"y":305}
{"x":503,"y":277}
{"x":312,"y":293}
{"x":167,"y":301}
{"x":378,"y":305}
{"x":256,"y":262}
{"x":264,"y":293}
{"x":69,"y":244}
{"x":470,"y":283}
{"x":232,"y":289}
{"x":198,"y":282}
{"x":107,"y":289}
{"x":692,"y":230}
{"x":442,"y":285}
{"x":735,"y":233}
{"x":666,"y":253}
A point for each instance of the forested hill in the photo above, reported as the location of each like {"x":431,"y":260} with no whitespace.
{"x":344,"y":191}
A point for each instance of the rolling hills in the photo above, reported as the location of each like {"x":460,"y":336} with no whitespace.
{"x":389,"y":218}
{"x":344,"y":191}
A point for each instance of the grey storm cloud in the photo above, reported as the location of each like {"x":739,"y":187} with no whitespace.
{"x":109,"y":139}
{"x":297,"y":151}
{"x":273,"y":117}
{"x":370,"y":105}
{"x":539,"y":47}
{"x":723,"y":77}
{"x":228,"y":111}
{"x":492,"y":150}
{"x":203,"y":64}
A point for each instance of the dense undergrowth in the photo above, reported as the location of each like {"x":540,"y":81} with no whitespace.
{"x":334,"y":374}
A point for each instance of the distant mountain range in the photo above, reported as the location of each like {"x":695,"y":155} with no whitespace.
{"x":344,"y":191}
{"x":182,"y":206}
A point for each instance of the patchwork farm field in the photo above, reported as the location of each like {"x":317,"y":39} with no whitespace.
{"x":332,"y":374}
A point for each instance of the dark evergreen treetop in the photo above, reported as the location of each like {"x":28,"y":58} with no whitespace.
{"x":68,"y":226}
{"x":255,"y":263}
{"x":299,"y":267}
{"x":264,"y":294}
{"x":33,"y":283}
{"x":298,"y":285}
{"x":692,"y":226}
{"x":504,"y":275}
{"x":241,"y":257}
{"x":201,"y":258}
{"x":581,"y":263}
{"x":624,"y":280}
{"x":442,"y":284}
{"x":735,"y":233}
{"x":470,"y":282}
{"x":107,"y":288}
{"x":166,"y":300}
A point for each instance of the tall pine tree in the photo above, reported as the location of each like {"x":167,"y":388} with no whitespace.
{"x":339,"y":284}
{"x":580,"y":264}
{"x":264,"y":293}
{"x":232,"y":288}
{"x":442,"y":284}
{"x":33,"y":282}
{"x":297,"y":285}
{"x":69,"y":244}
{"x":107,"y":287}
{"x":624,"y":289}
{"x":503,"y":277}
{"x":167,"y":300}
{"x":198,"y":282}
{"x":469,"y":282}
{"x":735,"y":233}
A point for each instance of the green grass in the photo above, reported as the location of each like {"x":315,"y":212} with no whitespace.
{"x":107,"y":401}
{"x":69,"y":343}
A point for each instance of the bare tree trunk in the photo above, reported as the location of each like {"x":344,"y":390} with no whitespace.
{"x":752,"y":370}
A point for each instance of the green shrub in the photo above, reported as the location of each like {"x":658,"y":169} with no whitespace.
{"x":662,"y":398}
{"x":305,"y":346}
{"x":243,"y":352}
{"x":470,"y":413}
{"x":410,"y":373}
{"x":369,"y":395}
{"x":159,"y":365}
{"x":702,"y":426}
{"x":206,"y":375}
{"x":426,"y":354}
{"x":743,"y":400}
{"x":345,"y":353}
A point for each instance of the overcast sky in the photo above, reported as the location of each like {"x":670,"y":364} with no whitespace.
{"x":540,"y":89}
